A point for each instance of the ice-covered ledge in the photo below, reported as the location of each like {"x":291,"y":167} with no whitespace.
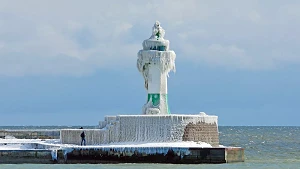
{"x":156,"y":44}
{"x":149,"y":128}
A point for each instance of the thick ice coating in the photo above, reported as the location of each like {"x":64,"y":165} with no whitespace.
{"x":155,"y":62}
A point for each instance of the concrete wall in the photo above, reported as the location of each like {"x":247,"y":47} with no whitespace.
{"x":92,"y":136}
{"x":204,"y":132}
{"x":235,"y":154}
{"x":148,"y":128}
{"x":168,"y":128}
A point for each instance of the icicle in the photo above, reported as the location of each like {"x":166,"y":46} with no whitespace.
{"x":165,"y":58}
{"x":54,"y":155}
{"x":66,"y":151}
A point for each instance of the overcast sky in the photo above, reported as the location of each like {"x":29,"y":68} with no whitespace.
{"x":71,"y":62}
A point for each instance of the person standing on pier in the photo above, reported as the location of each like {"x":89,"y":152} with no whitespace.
{"x":82,"y":135}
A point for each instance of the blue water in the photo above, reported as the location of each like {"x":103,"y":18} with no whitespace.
{"x":265,"y":147}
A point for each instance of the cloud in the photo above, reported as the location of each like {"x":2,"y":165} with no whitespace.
{"x":77,"y":38}
{"x":254,"y":16}
{"x":217,"y":55}
{"x":54,"y":48}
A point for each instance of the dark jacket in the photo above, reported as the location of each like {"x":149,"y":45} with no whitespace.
{"x":82,"y":135}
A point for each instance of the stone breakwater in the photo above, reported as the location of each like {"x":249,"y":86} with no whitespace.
{"x":31,"y":134}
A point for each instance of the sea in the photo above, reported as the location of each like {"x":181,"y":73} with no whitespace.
{"x":266,"y":147}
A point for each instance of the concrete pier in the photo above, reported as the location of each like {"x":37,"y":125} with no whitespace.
{"x":196,"y":156}
{"x":26,"y":156}
{"x":94,"y":155}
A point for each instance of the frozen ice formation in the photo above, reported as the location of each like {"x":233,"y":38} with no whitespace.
{"x":157,"y":31}
{"x":140,"y":128}
{"x":155,"y":62}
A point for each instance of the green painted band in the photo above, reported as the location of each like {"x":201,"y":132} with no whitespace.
{"x":156,"y":98}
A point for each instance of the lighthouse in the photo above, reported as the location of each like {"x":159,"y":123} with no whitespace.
{"x":154,"y":62}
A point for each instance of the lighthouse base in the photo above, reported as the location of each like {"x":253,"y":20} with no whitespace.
{"x":149,"y":128}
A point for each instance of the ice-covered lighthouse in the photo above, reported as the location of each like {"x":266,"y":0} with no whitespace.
{"x":152,"y":135}
{"x":156,"y":124}
{"x":155,"y":61}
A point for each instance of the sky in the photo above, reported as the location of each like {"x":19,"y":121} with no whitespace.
{"x":73,"y":62}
